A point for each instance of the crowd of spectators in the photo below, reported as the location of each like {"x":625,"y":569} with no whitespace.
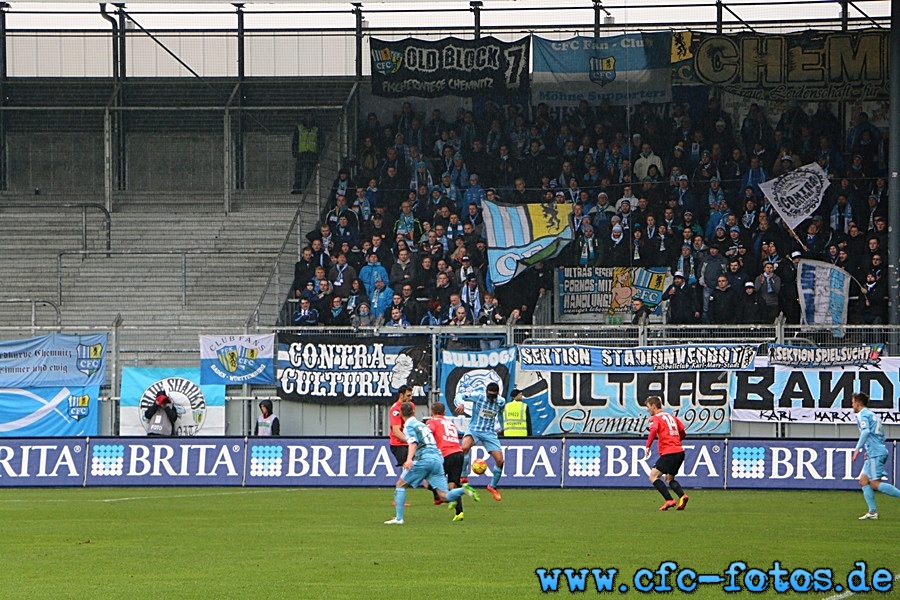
{"x":403,"y":240}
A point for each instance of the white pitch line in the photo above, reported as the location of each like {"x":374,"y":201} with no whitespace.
{"x":844,"y":595}
{"x":131,"y":498}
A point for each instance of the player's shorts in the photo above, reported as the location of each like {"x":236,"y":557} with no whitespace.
{"x":400,"y":454}
{"x":670,"y":464}
{"x":426,"y":469}
{"x":874,"y":468}
{"x":490,"y":441}
{"x":453,"y":465}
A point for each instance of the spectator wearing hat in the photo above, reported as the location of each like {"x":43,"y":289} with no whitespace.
{"x":466,"y":269}
{"x":474,"y":194}
{"x":381,"y":296}
{"x":751,"y":309}
{"x":618,"y":249}
{"x":683,"y":301}
{"x":687,"y":263}
{"x":683,"y":195}
{"x":785,"y":163}
{"x":161,"y":416}
{"x":588,"y":249}
{"x":471,"y":294}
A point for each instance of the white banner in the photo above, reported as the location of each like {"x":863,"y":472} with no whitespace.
{"x":798,"y":193}
{"x":823,"y":290}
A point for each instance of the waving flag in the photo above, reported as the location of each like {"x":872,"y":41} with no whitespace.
{"x":824,"y":290}
{"x":796,"y":194}
{"x":519,"y":236}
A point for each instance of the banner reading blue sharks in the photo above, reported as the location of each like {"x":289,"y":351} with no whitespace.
{"x":449,"y":67}
{"x":201,"y":407}
{"x":590,"y":359}
{"x":520,"y":236}
{"x":365,"y":370}
{"x":237,"y":359}
{"x":66,"y":411}
{"x":624,"y":69}
{"x":54,"y":360}
{"x":612,"y":403}
{"x":824,"y":289}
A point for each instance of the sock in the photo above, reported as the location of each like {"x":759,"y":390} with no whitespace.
{"x":400,"y":501}
{"x":869,"y":495}
{"x":660,"y":486}
{"x":467,"y":466}
{"x":498,"y":472}
{"x":890,"y":490}
{"x":676,"y":487}
{"x":435,"y":494}
{"x":454,"y":494}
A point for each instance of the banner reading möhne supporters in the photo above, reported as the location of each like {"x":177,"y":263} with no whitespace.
{"x":362,"y":370}
{"x":813,"y":394}
{"x":608,"y":290}
{"x":201,"y":407}
{"x":54,"y":360}
{"x":449,"y":67}
{"x":623,"y":69}
{"x":237,"y":359}
{"x":572,"y":390}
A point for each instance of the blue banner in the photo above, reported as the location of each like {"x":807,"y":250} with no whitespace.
{"x":368,"y":462}
{"x":602,"y":404}
{"x":49,"y":412}
{"x":201,"y":407}
{"x":620,"y":464}
{"x":585,"y":359}
{"x":43,"y":463}
{"x":467,"y":373}
{"x":237,"y":359}
{"x":795,"y":465}
{"x":166,"y":462}
{"x":623,"y":69}
{"x":54,"y":360}
{"x":824,"y":291}
{"x":812,"y":357}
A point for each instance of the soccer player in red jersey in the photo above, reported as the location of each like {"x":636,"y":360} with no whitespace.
{"x":398,"y":441}
{"x":669,"y":431}
{"x":447,"y":437}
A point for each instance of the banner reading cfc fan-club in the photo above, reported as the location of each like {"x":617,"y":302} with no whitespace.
{"x":449,"y":67}
{"x":363,"y":370}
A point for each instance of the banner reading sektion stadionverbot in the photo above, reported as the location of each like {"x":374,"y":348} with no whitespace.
{"x":449,"y":67}
{"x":623,"y":69}
{"x":612,"y":403}
{"x":364,"y":370}
{"x":54,"y":360}
{"x":788,"y":394}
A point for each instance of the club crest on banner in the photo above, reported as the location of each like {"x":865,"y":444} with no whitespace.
{"x":79,"y":406}
{"x":386,"y":61}
{"x":603,"y":70}
{"x":90,"y":358}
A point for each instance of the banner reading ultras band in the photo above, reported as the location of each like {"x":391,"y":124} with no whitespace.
{"x":363,"y":370}
{"x":449,"y":67}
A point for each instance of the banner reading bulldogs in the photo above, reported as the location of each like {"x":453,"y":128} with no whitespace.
{"x":54,"y":360}
{"x":623,"y":69}
{"x":788,"y":394}
{"x":449,"y":67}
{"x":364,"y":370}
{"x":466,"y":374}
{"x":585,"y":291}
{"x":591,"y":359}
{"x":237,"y":359}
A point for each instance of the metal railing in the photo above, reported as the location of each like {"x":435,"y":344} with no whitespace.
{"x":183,"y":254}
{"x":34,"y":304}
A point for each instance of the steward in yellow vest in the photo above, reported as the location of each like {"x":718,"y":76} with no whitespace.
{"x":516,"y":417}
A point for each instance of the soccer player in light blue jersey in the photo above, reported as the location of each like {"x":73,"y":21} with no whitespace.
{"x":423,"y":463}
{"x":871,"y":437}
{"x":486,"y":410}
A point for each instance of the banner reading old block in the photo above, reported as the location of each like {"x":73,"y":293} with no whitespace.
{"x":449,"y":67}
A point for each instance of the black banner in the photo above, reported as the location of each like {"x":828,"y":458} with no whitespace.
{"x":813,"y":65}
{"x":363,"y":370}
{"x":449,"y":67}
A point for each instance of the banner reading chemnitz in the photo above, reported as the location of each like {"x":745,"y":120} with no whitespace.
{"x":449,"y":67}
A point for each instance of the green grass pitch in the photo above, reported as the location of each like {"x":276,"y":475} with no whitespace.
{"x":172,"y":543}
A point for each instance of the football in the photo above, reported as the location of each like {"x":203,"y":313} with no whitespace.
{"x":479,"y":466}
